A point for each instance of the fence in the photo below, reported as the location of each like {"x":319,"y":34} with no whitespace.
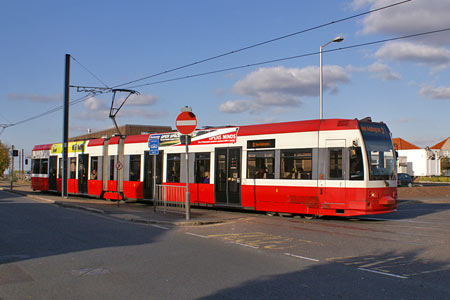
{"x":169,"y":196}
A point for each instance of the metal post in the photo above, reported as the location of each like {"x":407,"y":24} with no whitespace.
{"x":154,"y":183}
{"x":188,"y":206}
{"x":65,"y":160}
{"x":321,"y":84}
{"x":337,"y":39}
{"x":118,"y":179}
{"x":19,"y":176}
{"x":11,"y":174}
{"x":23,"y":166}
{"x":165,"y":197}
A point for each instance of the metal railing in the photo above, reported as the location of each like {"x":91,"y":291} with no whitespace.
{"x":170,"y":196}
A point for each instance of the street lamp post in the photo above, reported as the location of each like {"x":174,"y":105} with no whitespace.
{"x":337,"y":39}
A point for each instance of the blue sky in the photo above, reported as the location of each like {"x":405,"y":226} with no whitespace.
{"x":404,"y":83}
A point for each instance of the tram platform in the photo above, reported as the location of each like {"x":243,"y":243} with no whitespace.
{"x":134,"y":212}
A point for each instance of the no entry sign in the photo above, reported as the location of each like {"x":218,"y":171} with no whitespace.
{"x":186,"y":122}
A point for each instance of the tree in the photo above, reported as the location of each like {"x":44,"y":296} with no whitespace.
{"x":4,"y":158}
{"x":445,"y":163}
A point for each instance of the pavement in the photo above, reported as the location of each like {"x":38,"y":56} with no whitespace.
{"x":143,"y":212}
{"x":135,"y":211}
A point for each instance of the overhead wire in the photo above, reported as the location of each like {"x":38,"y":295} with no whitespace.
{"x":264,"y":43}
{"x":55,"y":109}
{"x":3,"y":117}
{"x":84,"y":98}
{"x":289,"y":58}
{"x":93,"y":75}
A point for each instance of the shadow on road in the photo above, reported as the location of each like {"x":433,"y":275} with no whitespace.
{"x":31,"y":230}
{"x":386,"y":276}
{"x":410,"y":209}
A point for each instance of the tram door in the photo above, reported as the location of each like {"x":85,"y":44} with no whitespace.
{"x":52,"y":172}
{"x":227,"y":179}
{"x":82,"y":173}
{"x":148,"y":173}
{"x":335,"y":174}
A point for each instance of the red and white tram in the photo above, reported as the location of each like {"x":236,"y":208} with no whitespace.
{"x":320,"y":167}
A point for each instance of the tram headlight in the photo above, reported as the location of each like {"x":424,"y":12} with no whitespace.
{"x":373,"y":195}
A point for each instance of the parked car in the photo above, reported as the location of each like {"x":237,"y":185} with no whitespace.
{"x":404,"y":179}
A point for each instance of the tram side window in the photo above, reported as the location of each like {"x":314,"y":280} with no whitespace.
{"x":173,"y":167}
{"x":44,"y":166}
{"x":36,"y":165}
{"x":94,"y":168}
{"x":39,"y":166}
{"x":335,"y":164}
{"x":135,"y":167}
{"x":261,"y":164}
{"x":73,"y":167}
{"x":356,"y":164}
{"x":111,"y":167}
{"x":202,"y":167}
{"x":296,"y":164}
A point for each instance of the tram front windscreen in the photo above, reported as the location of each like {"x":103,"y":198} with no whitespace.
{"x":380,"y":151}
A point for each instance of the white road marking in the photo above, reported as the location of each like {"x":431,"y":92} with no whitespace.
{"x":302,"y":257}
{"x":383,"y":273}
{"x":246,"y":245}
{"x":160,"y":227}
{"x":198,"y":235}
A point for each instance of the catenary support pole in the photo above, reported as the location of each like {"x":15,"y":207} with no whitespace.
{"x":66,"y":127}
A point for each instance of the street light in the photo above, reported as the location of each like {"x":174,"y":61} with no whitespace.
{"x":337,"y":39}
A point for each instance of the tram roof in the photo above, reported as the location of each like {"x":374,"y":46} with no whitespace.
{"x":298,"y":126}
{"x":42,"y":147}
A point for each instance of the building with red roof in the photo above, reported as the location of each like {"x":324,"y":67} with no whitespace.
{"x":401,"y":144}
{"x":443,"y":147}
{"x":416,"y":161}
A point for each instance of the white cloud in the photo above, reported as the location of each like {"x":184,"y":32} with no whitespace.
{"x":383,"y":71}
{"x":409,"y":18}
{"x":98,"y":110}
{"x":379,"y":69}
{"x":237,"y":106}
{"x":282,"y":87}
{"x":35,"y":97}
{"x":95,"y":104}
{"x":435,"y":92}
{"x":95,"y":110}
{"x":141,"y":100}
{"x":141,"y":113}
{"x":358,"y":4}
{"x":436,"y":57}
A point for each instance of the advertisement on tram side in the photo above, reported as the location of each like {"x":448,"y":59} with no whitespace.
{"x":202,"y":137}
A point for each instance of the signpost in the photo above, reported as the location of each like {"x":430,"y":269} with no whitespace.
{"x":153,"y":146}
{"x":186,"y":124}
{"x":11,"y":173}
{"x":119,"y":167}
